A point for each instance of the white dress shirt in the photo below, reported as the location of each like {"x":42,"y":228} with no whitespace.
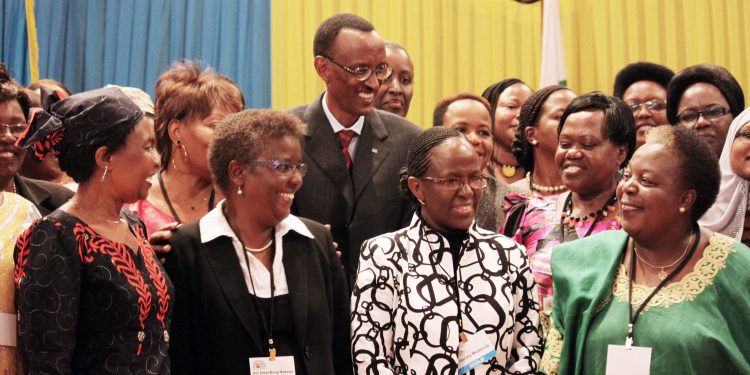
{"x":337,"y":127}
{"x":215,"y":225}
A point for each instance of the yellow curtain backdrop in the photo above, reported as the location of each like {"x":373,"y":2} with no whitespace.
{"x":603,"y":36}
{"x":456,"y":45}
{"x":466,"y":45}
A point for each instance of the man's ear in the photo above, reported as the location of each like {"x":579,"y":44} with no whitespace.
{"x":323,"y":68}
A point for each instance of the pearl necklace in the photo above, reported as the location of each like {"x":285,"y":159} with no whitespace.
{"x":545,"y":189}
{"x":260,"y":249}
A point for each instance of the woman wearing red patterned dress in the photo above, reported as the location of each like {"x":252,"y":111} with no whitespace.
{"x":90,"y":293}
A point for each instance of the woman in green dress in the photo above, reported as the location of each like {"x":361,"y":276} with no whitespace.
{"x":663,"y":283}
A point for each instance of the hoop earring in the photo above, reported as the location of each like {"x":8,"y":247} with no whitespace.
{"x":423,"y":203}
{"x":239,"y":190}
{"x":184,"y":151}
{"x":104,"y":175}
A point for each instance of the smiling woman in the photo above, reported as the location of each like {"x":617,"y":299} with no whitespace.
{"x":442,"y":283}
{"x":89,"y":250}
{"x":253,"y":282}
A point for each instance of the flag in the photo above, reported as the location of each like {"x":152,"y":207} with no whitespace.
{"x":553,"y":56}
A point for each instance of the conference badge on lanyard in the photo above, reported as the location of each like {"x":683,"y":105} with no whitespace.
{"x":473,"y":350}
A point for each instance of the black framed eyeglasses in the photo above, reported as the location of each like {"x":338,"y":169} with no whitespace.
{"x":16,"y":129}
{"x":688,"y":118}
{"x":362,"y":73}
{"x":457,"y":183}
{"x":651,"y":105}
{"x":283,"y":167}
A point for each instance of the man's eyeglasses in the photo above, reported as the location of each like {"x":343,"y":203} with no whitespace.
{"x":689,"y":118}
{"x":284,"y":168}
{"x":651,"y":105}
{"x":363,"y":73}
{"x":457,"y":183}
{"x":14,"y":128}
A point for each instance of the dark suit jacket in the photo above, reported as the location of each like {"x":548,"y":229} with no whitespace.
{"x":46,"y":196}
{"x":369,"y":202}
{"x":215,"y":329}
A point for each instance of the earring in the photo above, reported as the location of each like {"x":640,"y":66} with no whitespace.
{"x":104,"y":175}
{"x":184,"y":151}
{"x":533,"y":142}
{"x":239,"y":190}
{"x":423,"y":203}
{"x":682,"y":210}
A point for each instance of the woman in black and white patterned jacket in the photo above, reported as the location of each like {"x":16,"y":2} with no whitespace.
{"x":443,"y":296}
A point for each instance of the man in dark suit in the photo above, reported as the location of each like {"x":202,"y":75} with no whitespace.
{"x":354,"y":151}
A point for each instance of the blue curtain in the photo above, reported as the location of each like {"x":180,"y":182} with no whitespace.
{"x":89,"y":43}
{"x":14,"y":51}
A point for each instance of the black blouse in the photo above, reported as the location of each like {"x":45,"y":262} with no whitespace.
{"x":87,"y":304}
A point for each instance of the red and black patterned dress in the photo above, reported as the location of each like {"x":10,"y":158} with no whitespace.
{"x":87,"y":304}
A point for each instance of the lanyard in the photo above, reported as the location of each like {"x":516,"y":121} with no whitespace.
{"x":267,"y":327}
{"x":633,"y":318}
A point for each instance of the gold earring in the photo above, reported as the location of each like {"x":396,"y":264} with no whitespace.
{"x":682,"y":210}
{"x":184,"y":151}
{"x":104,"y":175}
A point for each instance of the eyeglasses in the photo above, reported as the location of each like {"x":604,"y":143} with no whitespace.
{"x":710,"y":113}
{"x":651,"y":105}
{"x":362,"y":73}
{"x":284,"y":168}
{"x":14,"y":128}
{"x":457,"y":183}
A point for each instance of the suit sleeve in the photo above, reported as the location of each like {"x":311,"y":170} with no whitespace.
{"x":179,"y":265}
{"x":373,"y":301}
{"x":48,"y":281}
{"x":342,"y":358}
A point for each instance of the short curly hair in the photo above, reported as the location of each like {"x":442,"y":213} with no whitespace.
{"x":641,"y":71}
{"x":694,"y":155}
{"x":186,"y":92}
{"x":418,"y":158}
{"x":11,"y":90}
{"x":245,"y":135}
{"x":529,"y":116}
{"x":706,"y":73}
{"x":330,"y":28}
{"x":619,"y":123}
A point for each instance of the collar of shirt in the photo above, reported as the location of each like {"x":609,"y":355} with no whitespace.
{"x":336,"y":125}
{"x":214,"y":225}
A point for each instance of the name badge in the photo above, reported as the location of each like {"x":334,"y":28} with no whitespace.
{"x":474,"y":350}
{"x":265,"y":366}
{"x":635,"y":360}
{"x":8,"y":329}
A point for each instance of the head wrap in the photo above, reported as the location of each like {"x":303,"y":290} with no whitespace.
{"x":727,"y":215}
{"x":84,"y":119}
{"x":708,"y":73}
{"x":641,"y":71}
{"x":139,"y":97}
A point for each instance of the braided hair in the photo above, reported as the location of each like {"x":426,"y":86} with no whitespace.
{"x":492,"y":94}
{"x":529,"y":116}
{"x":418,"y":158}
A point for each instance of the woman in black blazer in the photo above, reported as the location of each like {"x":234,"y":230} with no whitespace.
{"x":253,"y":282}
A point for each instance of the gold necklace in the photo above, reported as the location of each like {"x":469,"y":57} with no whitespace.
{"x":663,"y":274}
